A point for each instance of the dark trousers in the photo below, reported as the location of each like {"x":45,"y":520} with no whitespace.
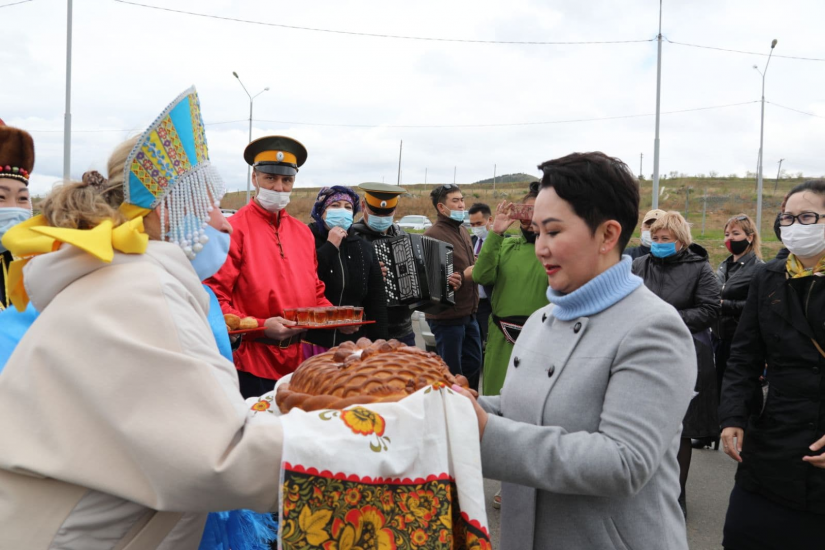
{"x":755,"y":523}
{"x":459,"y":344}
{"x":253,"y":386}
{"x":483,"y":316}
{"x":408,"y":339}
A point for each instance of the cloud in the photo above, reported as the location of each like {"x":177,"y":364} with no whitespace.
{"x":129,"y":62}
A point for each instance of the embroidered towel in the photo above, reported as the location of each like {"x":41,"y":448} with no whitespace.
{"x":386,"y":475}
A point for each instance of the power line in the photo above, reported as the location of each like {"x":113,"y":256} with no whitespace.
{"x":129,"y":129}
{"x":14,"y":3}
{"x":794,"y":110}
{"x":741,"y":51}
{"x":564,"y":121}
{"x":377,"y":35}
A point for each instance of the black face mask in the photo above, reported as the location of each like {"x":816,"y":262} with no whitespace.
{"x":529,"y":236}
{"x":737,"y":247}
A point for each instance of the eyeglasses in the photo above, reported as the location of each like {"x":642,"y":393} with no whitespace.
{"x":805,"y":218}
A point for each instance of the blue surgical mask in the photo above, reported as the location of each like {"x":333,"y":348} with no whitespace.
{"x":663,"y":250}
{"x":457,"y":215}
{"x":339,"y":217}
{"x":9,"y":217}
{"x":379,"y":223}
{"x":211,"y":258}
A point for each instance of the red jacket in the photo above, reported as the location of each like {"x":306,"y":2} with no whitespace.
{"x":271,"y":266}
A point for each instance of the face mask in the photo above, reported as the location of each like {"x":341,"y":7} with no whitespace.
{"x":379,"y":223}
{"x":737,"y":247}
{"x":457,"y":215}
{"x":646,"y":240}
{"x":804,"y":241}
{"x":480,"y":232}
{"x":339,"y":217}
{"x":663,"y":250}
{"x":272,"y":201}
{"x":211,"y":258}
{"x":529,"y":236}
{"x":9,"y":217}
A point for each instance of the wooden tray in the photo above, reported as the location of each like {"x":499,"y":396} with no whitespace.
{"x":305,"y":327}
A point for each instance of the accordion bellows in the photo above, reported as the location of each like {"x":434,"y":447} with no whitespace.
{"x":362,"y":373}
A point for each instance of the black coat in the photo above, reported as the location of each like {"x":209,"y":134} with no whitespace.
{"x":399,"y":318}
{"x":735,"y":279}
{"x":352,"y":277}
{"x":776,"y":330}
{"x":686,"y":281}
{"x":637,"y":251}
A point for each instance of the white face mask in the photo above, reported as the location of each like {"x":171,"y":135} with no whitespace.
{"x":273,"y":201}
{"x":11,"y":216}
{"x":480,"y":232}
{"x":804,"y":241}
{"x":646,"y":238}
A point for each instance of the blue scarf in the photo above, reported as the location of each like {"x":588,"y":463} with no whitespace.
{"x":597,"y":294}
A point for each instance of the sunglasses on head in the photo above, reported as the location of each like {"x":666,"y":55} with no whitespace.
{"x":441,"y":189}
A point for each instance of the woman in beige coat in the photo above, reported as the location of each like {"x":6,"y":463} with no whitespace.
{"x":121,"y":423}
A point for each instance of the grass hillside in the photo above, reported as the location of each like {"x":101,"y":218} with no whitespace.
{"x":726,"y":197}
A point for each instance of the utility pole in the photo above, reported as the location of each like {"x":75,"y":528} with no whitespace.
{"x":425,"y":175}
{"x":658,"y":105}
{"x":494,"y":180}
{"x":641,"y":159}
{"x":761,"y":141}
{"x":400,"y":148}
{"x":454,"y":168}
{"x":687,"y":201}
{"x":67,"y":117}
{"x":778,"y":172}
{"x":704,"y":210}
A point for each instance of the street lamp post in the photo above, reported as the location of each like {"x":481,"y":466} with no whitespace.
{"x":251,"y":99}
{"x":761,"y":141}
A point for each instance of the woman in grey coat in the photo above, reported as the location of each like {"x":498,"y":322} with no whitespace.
{"x":585,"y":432}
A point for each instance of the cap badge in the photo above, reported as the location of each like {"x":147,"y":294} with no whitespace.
{"x":383,"y":204}
{"x":280,"y":156}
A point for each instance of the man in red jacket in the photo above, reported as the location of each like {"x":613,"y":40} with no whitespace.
{"x":271,"y":267}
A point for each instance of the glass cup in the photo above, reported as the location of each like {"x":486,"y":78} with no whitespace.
{"x":303,"y":316}
{"x":357,"y":314}
{"x":349,"y":311}
{"x":291,"y":314}
{"x":319,"y":316}
{"x":329,"y":313}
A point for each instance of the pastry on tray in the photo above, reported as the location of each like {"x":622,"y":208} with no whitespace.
{"x":233,"y":322}
{"x":363,"y":372}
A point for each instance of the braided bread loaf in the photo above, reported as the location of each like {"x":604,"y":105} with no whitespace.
{"x":361,"y":373}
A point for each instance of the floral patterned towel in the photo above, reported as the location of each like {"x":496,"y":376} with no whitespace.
{"x":383,"y":476}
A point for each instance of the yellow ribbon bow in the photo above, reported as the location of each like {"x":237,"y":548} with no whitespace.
{"x":35,"y":237}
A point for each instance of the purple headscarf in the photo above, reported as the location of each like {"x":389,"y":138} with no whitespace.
{"x":329,"y":195}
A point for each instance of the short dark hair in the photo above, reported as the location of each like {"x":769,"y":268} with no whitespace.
{"x":437,"y":195}
{"x":598,"y":187}
{"x":533,"y":192}
{"x":480,"y":207}
{"x":814,"y":186}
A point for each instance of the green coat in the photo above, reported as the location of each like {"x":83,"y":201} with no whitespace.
{"x":520,"y":289}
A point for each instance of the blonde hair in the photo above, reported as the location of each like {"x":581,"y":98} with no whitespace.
{"x":743,"y":222}
{"x":85,"y":204}
{"x":677,"y":225}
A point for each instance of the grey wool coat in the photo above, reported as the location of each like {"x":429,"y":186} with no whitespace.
{"x":585,"y":432}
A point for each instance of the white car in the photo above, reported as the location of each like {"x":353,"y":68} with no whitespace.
{"x":419,"y":223}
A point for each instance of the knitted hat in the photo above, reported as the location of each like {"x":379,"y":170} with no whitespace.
{"x":16,"y":153}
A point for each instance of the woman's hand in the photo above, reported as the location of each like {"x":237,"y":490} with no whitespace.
{"x":818,"y":460}
{"x":503,"y":219}
{"x":336,"y":235}
{"x":733,"y":438}
{"x":481,"y":414}
{"x":349,"y":330}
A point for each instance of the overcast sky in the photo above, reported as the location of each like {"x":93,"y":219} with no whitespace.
{"x":130,"y":62}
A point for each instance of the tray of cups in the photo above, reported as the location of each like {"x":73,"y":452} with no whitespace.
{"x":326,"y":317}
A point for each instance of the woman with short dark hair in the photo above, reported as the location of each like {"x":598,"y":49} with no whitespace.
{"x":585,"y":432}
{"x":779,"y":498}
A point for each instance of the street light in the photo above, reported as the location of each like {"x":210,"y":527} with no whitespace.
{"x":251,"y":99}
{"x":761,"y":140}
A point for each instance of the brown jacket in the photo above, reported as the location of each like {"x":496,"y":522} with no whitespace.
{"x":466,"y":298}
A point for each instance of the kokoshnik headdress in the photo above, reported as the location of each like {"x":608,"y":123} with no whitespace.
{"x":169,"y":168}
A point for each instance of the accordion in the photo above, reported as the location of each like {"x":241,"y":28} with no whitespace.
{"x":417,"y":272}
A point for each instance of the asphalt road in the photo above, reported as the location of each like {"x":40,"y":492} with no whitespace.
{"x":709,"y":485}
